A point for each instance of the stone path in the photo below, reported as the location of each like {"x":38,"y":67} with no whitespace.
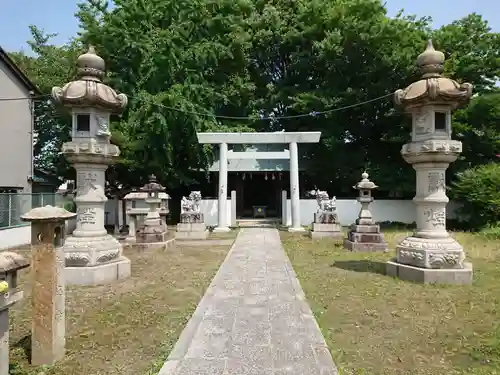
{"x":253,"y":319}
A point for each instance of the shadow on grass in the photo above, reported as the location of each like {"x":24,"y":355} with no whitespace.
{"x":361,"y":266}
{"x":25,"y":345}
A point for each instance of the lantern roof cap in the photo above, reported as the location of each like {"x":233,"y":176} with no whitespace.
{"x":89,"y":90}
{"x":153,"y":185}
{"x":365,"y":183}
{"x":433,"y":88}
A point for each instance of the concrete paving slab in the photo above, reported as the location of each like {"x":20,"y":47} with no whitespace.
{"x":254,"y":318}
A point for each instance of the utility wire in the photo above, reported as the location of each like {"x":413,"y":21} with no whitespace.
{"x":261,"y":118}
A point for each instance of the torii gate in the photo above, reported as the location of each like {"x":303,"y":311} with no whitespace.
{"x":292,"y":138}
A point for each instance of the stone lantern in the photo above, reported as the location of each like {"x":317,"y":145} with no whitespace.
{"x":10,"y":293}
{"x":364,"y":235}
{"x":153,"y":230}
{"x":431,"y":255}
{"x":91,"y":255}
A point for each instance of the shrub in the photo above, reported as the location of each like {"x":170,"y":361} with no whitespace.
{"x":491,"y":232}
{"x":478,"y":189}
{"x":70,"y":206}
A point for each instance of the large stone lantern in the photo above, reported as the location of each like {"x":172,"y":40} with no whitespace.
{"x":431,"y":255}
{"x":91,"y":255}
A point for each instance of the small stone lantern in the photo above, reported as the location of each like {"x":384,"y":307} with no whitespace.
{"x":431,"y":255}
{"x":364,"y":235}
{"x":48,"y":296}
{"x":10,"y":265}
{"x":153,"y":230}
{"x":365,"y":187}
{"x":92,"y":256}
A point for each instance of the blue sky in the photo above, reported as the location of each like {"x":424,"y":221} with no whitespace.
{"x":57,"y":16}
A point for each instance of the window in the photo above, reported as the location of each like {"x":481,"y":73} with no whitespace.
{"x":9,"y":207}
{"x":440,"y":121}
{"x":83,"y":123}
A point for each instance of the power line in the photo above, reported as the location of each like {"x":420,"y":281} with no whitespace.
{"x":29,"y":98}
{"x":261,"y":118}
{"x":309,"y":114}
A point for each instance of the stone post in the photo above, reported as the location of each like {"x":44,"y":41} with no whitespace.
{"x":234,"y":222}
{"x":48,"y":295}
{"x":431,"y":255}
{"x":91,"y":255}
{"x":222,"y":201}
{"x":10,"y":264}
{"x":284,"y":196}
{"x":364,"y":235}
{"x":294,"y":189}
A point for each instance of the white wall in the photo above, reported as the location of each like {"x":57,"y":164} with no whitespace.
{"x":348,"y":210}
{"x":14,"y":237}
{"x":209,"y":208}
{"x":110,"y":211}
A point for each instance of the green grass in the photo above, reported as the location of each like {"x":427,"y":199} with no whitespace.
{"x":375,"y":324}
{"x":128,"y":327}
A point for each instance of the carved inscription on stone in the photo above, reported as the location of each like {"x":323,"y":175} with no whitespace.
{"x":435,"y":216}
{"x":43,"y":300}
{"x":84,"y":178}
{"x":422,"y":123}
{"x":86,"y":215}
{"x":437,"y":182}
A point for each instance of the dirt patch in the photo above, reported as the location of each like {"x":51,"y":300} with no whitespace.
{"x":375,"y":324}
{"x":128,"y":327}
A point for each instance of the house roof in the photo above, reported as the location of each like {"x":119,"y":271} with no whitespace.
{"x":4,"y":57}
{"x":43,"y":177}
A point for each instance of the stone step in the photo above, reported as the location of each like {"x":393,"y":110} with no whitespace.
{"x":258,"y":223}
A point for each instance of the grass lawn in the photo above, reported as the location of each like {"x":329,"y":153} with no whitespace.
{"x":376,"y":324}
{"x":128,"y":327}
{"x":231,"y":235}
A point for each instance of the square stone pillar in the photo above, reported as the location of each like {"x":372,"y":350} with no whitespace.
{"x":234,"y":223}
{"x":10,"y":264}
{"x":222,"y":194}
{"x":48,"y":295}
{"x":294,"y":189}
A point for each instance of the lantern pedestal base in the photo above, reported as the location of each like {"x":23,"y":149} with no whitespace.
{"x":100,"y":274}
{"x":191,"y":231}
{"x":93,"y":260}
{"x":450,"y":276}
{"x":365,"y":237}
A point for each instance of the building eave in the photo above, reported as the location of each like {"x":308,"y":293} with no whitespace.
{"x":18,"y":73}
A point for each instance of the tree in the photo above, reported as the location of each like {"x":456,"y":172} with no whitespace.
{"x":184,"y":62}
{"x":181,"y":62}
{"x":478,"y":127}
{"x":313,"y":56}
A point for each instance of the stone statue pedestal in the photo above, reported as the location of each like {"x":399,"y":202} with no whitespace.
{"x":150,"y":234}
{"x":365,"y":237}
{"x":325,"y":225}
{"x":191,"y":227}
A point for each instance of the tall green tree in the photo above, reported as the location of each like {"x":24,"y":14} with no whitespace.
{"x":181,"y":63}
